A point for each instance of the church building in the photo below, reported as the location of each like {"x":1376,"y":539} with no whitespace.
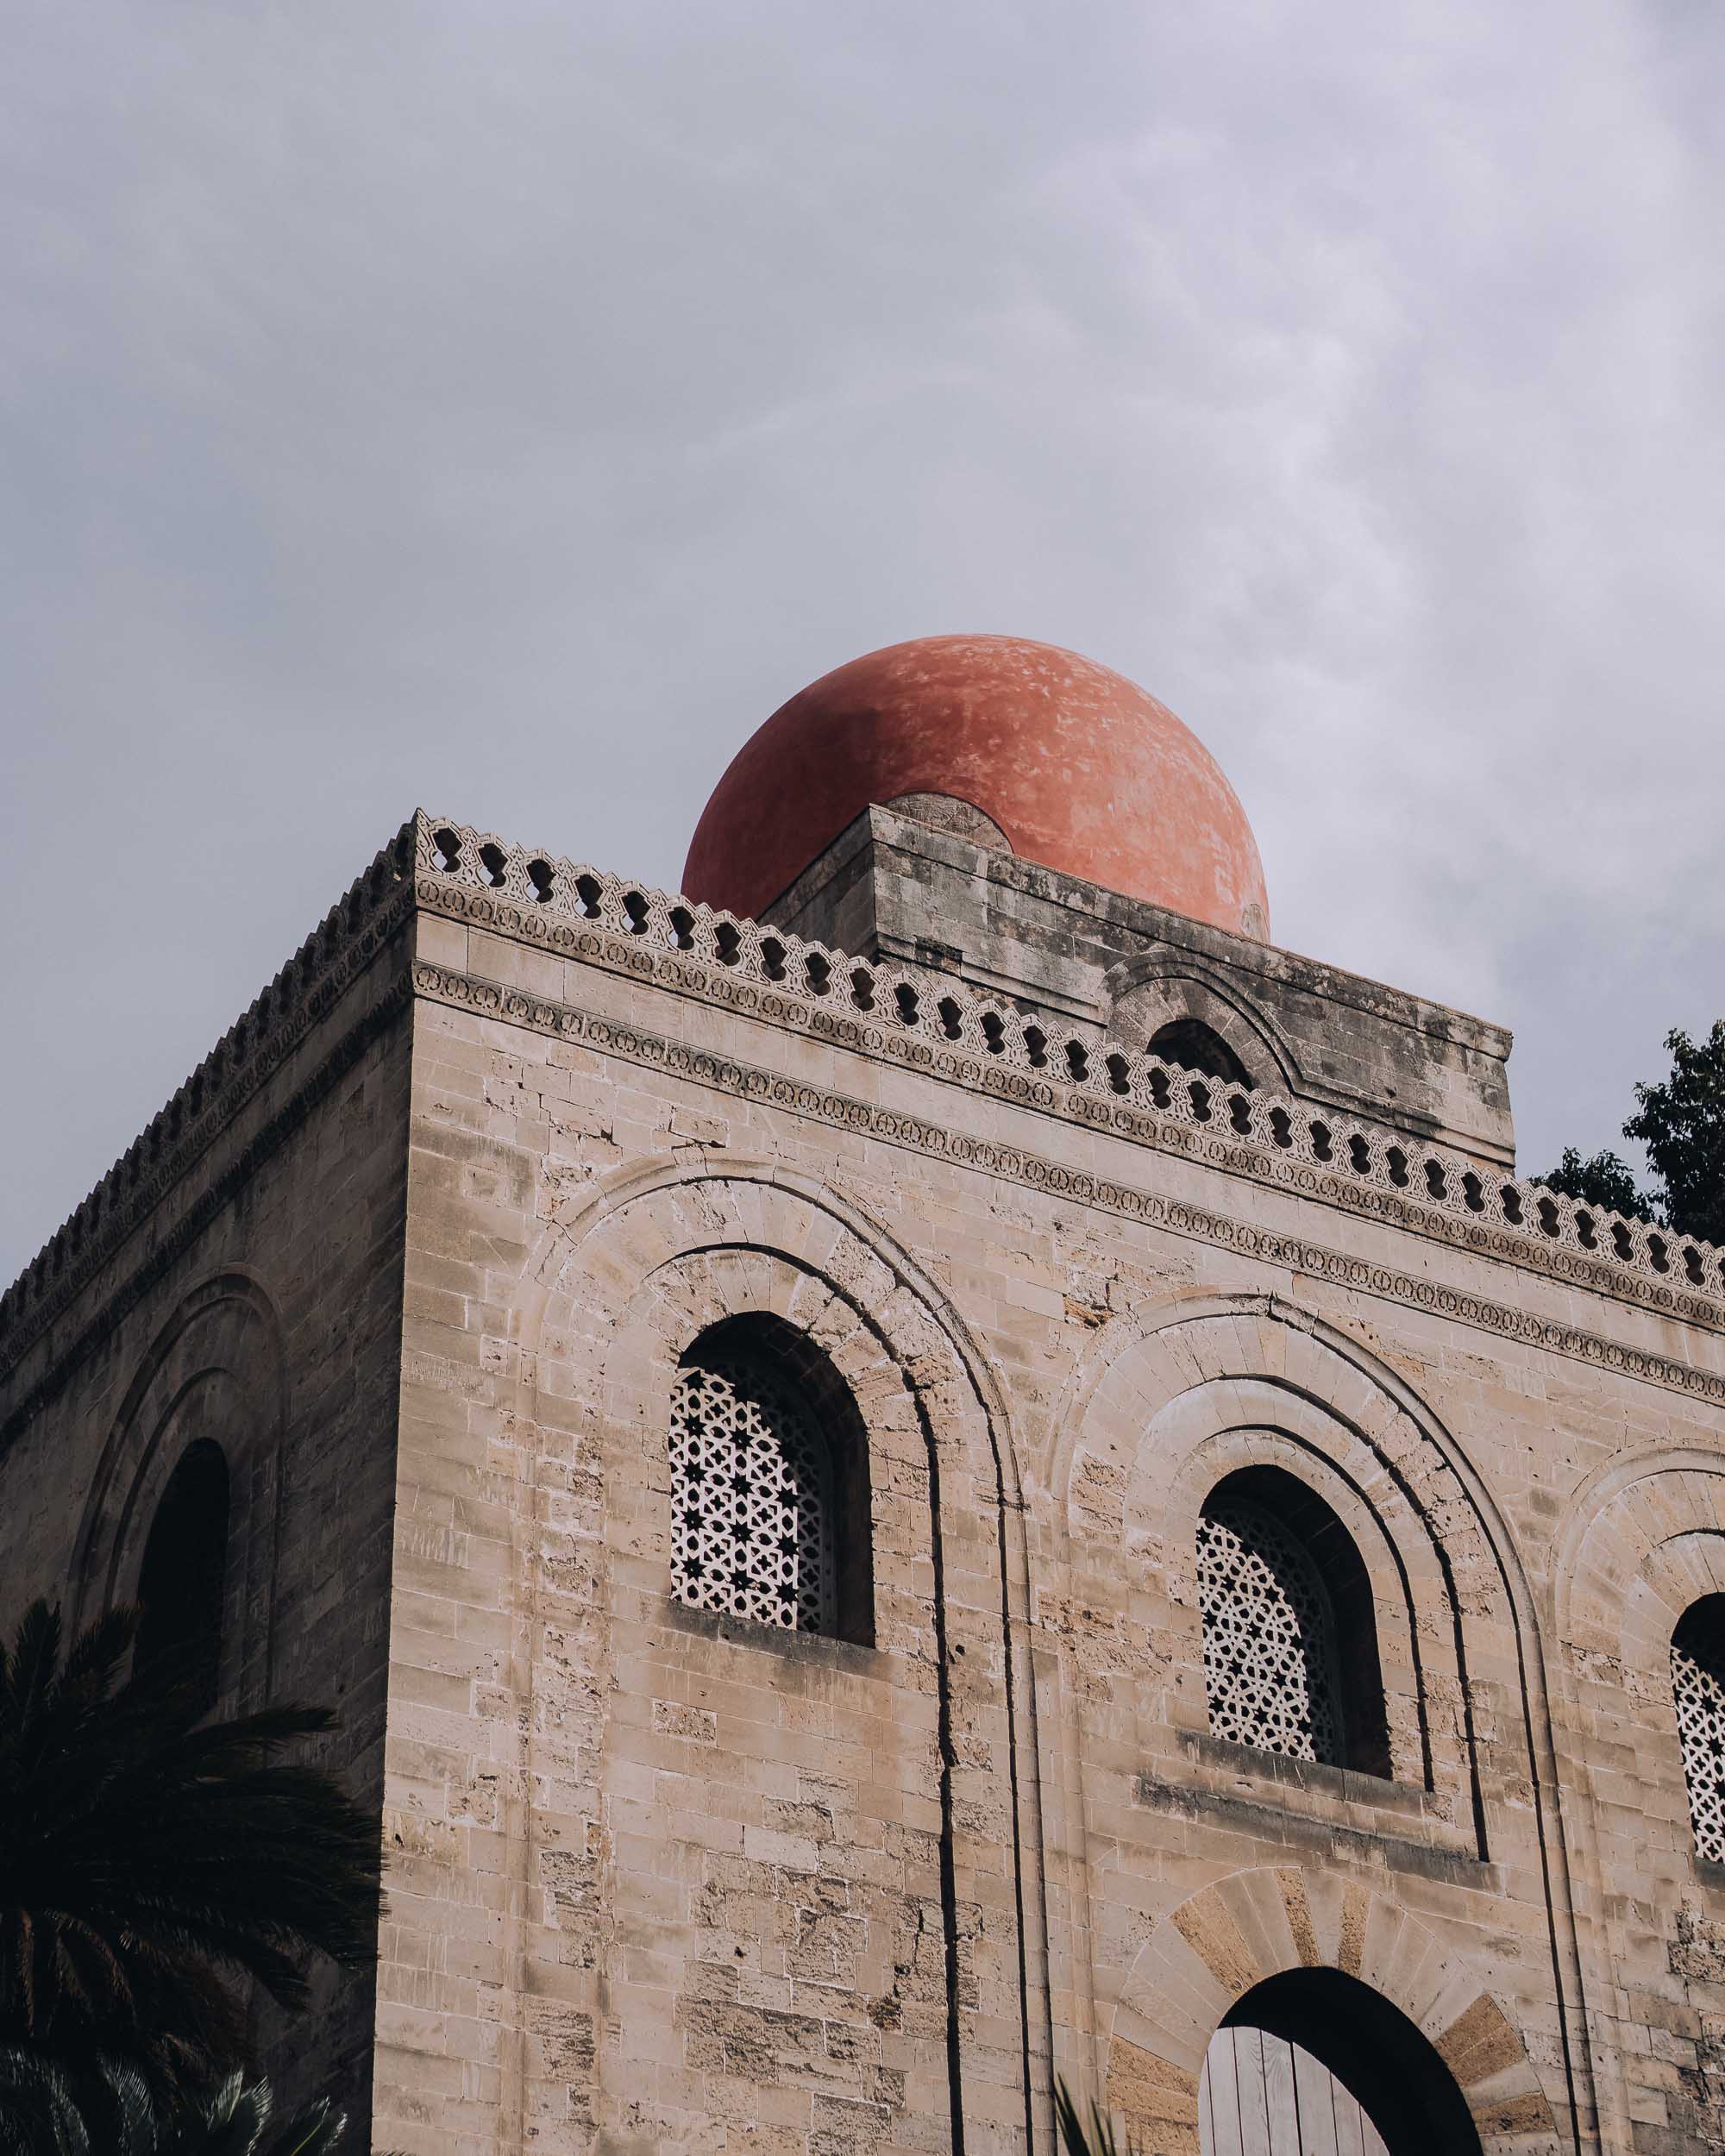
{"x":926,"y":1468}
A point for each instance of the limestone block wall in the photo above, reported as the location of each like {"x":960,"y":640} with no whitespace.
{"x":695,"y":1888}
{"x":241,"y":1283}
{"x":431,"y":1231}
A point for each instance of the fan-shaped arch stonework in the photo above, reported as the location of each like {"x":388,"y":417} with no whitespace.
{"x":811,"y":1874}
{"x":216,"y":1372}
{"x":1210,"y":1951}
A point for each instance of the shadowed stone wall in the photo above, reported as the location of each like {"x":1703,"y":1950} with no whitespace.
{"x":254,"y":1298}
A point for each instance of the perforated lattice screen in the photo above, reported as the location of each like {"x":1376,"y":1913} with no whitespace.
{"x":1269,"y":1638}
{"x":1698,"y":1682}
{"x":751,"y":1519}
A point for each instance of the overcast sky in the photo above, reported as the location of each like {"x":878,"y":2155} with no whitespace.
{"x":505,"y":407}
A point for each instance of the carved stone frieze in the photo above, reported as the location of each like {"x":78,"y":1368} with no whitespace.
{"x":1017,"y":1164}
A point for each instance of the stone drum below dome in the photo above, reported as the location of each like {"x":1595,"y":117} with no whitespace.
{"x":1015,"y":745}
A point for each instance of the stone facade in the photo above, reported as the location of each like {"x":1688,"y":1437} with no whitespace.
{"x":425,"y":1244}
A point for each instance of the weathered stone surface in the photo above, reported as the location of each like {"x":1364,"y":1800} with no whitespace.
{"x":662,"y":1880}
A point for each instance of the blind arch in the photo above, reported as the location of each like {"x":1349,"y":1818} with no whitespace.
{"x":182,"y":1579}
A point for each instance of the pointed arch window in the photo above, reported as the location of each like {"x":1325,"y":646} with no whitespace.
{"x":769,"y":1500}
{"x":1290,"y":1638}
{"x":1697,"y":1663}
{"x":184,"y":1574}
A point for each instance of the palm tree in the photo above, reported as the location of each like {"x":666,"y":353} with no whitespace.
{"x":43,"y":2113}
{"x":150,"y":1865}
{"x":1096,"y":2137}
{"x":237,"y":2122}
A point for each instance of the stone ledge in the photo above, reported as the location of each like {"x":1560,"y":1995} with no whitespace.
{"x":810,"y":1650}
{"x":1268,"y":1769}
{"x":1271,"y":1822}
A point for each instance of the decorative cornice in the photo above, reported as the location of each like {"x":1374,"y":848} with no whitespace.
{"x":1016,"y":1165}
{"x":374,"y":910}
{"x":939,"y":1024}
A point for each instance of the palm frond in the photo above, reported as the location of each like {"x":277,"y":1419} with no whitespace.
{"x":235,"y":2122}
{"x":89,"y":2103}
{"x":1096,"y":2137}
{"x":153,"y":1862}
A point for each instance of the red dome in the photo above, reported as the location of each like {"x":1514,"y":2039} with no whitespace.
{"x":1077,"y":767}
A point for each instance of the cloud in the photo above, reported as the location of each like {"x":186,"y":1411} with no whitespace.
{"x":507,"y":408}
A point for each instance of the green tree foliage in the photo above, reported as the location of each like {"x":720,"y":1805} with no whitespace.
{"x":1605,"y":1181}
{"x":149,"y":1867}
{"x":1682,"y":1124}
{"x":1681,"y":1121}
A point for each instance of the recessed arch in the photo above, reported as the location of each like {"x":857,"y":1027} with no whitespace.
{"x":1147,"y":996}
{"x":626,"y":1278}
{"x":215,"y":1371}
{"x":183,"y":1572}
{"x":1162,"y":1353}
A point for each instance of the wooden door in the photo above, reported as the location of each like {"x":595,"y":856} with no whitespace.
{"x":1259,"y":2095}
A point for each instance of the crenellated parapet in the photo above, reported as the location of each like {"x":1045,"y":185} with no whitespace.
{"x":937,"y":1022}
{"x":920,"y":1018}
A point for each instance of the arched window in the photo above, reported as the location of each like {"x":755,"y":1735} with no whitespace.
{"x":769,"y":1483}
{"x":185,"y":1570}
{"x":1193,"y":1046}
{"x":1290,"y":1635}
{"x":1697,"y":1661}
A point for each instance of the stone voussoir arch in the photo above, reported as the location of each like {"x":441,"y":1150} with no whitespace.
{"x":1637,"y":1533}
{"x":1202,"y":1956}
{"x":1642,"y":1540}
{"x":1143,"y":1360}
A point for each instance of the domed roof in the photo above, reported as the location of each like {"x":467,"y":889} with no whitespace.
{"x":1070,"y":764}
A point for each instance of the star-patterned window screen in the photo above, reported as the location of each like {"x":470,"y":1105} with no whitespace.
{"x":1697,"y":1661}
{"x":1269,"y":1643}
{"x":752,"y":1526}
